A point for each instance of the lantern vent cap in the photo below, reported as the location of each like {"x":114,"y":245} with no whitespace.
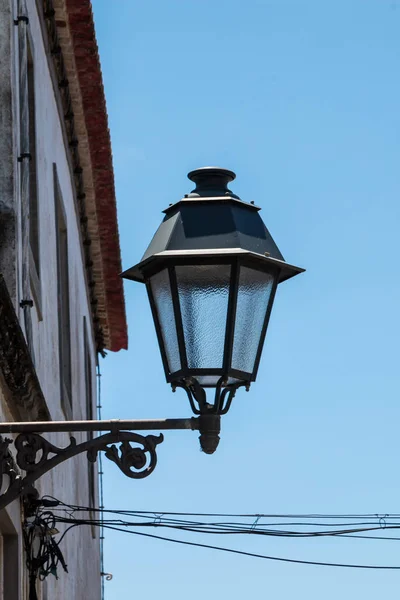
{"x":211,"y":182}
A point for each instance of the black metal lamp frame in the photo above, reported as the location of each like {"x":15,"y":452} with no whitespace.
{"x":210,"y":226}
{"x":235,"y":261}
{"x":134,"y":454}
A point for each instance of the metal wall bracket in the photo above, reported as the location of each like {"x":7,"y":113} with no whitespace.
{"x":134,"y":454}
{"x":36,"y":456}
{"x":21,"y":19}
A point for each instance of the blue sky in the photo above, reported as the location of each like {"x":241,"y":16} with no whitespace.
{"x":301,"y":99}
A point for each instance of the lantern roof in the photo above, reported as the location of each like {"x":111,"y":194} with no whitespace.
{"x":212,"y":221}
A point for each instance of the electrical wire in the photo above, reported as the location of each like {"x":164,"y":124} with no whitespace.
{"x":250,"y":554}
{"x":42,"y":551}
{"x":220,"y":529}
{"x":258,"y":527}
{"x":314,"y":516}
{"x":264,"y":556}
{"x":358,"y":526}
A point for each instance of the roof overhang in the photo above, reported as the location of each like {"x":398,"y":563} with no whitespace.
{"x":73,"y":21}
{"x":162,"y":259}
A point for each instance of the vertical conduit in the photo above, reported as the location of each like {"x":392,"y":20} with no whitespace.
{"x":100,"y":479}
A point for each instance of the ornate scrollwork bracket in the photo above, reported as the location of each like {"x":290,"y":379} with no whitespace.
{"x":134,"y":454}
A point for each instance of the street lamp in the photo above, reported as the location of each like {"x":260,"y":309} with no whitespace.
{"x":211,"y":272}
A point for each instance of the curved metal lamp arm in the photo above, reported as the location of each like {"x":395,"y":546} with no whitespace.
{"x":198,"y":400}
{"x":189,"y":394}
{"x":210,"y":414}
{"x":36,"y":456}
{"x":230,"y":391}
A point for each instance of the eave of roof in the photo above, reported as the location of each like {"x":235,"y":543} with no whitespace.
{"x":75,"y":26}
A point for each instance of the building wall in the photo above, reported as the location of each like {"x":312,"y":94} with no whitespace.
{"x":7,"y":164}
{"x":70,"y":481}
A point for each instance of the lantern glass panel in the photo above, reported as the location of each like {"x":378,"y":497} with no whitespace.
{"x":203,"y":296}
{"x":161,"y":289}
{"x":254,"y":293}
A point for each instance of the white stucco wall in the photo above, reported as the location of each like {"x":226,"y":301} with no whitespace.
{"x":68,"y":482}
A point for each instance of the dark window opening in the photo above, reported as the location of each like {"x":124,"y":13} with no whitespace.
{"x":64,"y":332}
{"x":33,"y":195}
